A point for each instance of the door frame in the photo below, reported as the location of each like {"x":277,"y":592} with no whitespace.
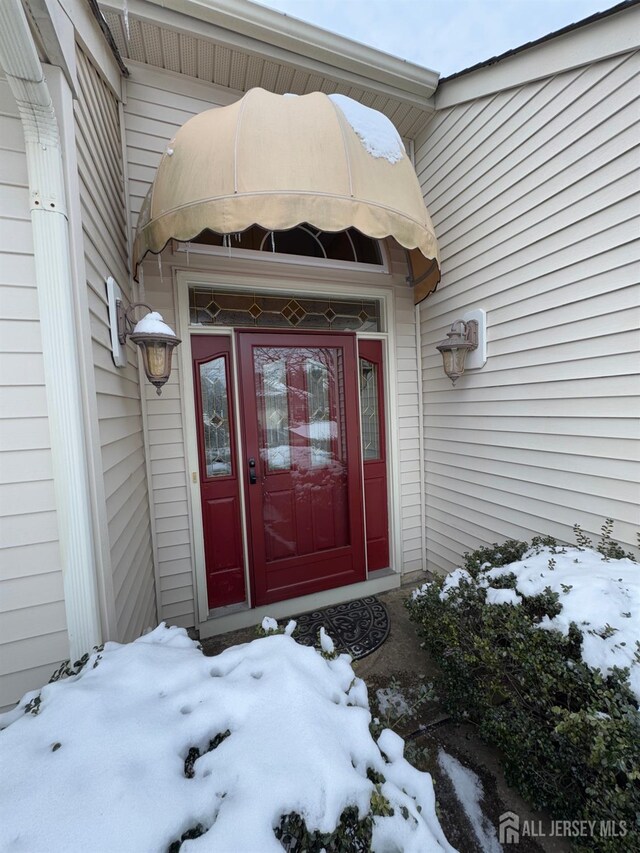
{"x":283,"y":283}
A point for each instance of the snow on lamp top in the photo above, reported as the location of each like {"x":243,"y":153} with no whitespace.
{"x":376,"y":132}
{"x":153,"y":324}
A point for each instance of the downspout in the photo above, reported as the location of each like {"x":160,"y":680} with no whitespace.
{"x":52,"y":257}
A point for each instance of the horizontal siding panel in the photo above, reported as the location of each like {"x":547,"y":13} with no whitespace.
{"x":39,"y":589}
{"x":175,"y":596}
{"x":176,"y":568}
{"x":21,"y":369}
{"x":19,"y":302}
{"x":536,"y":481}
{"x":595,"y":427}
{"x":617,"y":463}
{"x":25,"y":465}
{"x":173,"y":581}
{"x":18,"y":624}
{"x":166,"y":525}
{"x":28,"y":528}
{"x":182,"y":609}
{"x":17,"y":270}
{"x":13,"y":171}
{"x":28,"y":498}
{"x":43,"y":652}
{"x":29,"y":433}
{"x":36,"y":559}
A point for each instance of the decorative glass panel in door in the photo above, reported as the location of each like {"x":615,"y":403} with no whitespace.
{"x":304,"y":487}
{"x":215,"y":416}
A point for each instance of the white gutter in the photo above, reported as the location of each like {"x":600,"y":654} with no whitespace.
{"x":19,"y":59}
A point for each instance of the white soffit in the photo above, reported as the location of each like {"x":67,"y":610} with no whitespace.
{"x":176,"y":40}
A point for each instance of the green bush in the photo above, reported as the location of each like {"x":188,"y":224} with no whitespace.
{"x":568,"y":735}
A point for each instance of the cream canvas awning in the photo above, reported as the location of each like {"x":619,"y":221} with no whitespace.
{"x":278,"y":161}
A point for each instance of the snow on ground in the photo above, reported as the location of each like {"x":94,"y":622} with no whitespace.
{"x":377,"y":133}
{"x":469,"y":791}
{"x":601,"y":596}
{"x":269,"y":727}
{"x":392,"y":702}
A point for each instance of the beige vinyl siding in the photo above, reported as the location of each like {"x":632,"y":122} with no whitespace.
{"x":534,"y":196}
{"x":33,"y":626}
{"x":99,"y":151}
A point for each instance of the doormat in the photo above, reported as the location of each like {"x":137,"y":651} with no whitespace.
{"x":356,"y":627}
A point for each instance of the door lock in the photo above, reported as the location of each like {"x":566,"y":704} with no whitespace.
{"x":252,"y":472}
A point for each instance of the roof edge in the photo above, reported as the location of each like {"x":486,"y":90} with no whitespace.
{"x":597,"y":16}
{"x":106,"y":32}
{"x":299,"y":37}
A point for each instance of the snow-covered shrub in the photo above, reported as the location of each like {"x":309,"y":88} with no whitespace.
{"x":264,"y":747}
{"x":537,"y":646}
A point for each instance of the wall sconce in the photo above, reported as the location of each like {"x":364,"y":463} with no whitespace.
{"x":466,"y":336}
{"x":155,"y":339}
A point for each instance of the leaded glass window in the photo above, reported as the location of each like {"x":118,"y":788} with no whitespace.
{"x":369,"y":412}
{"x":320,"y":425}
{"x":276,"y":414}
{"x":209,"y":307}
{"x":215,"y":417}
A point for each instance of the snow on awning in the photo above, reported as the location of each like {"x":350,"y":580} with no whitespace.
{"x":278,"y":161}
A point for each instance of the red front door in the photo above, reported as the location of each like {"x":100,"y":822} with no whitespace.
{"x":302,"y":468}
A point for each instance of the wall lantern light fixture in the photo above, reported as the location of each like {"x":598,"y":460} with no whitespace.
{"x":155,"y":339}
{"x":465,"y":346}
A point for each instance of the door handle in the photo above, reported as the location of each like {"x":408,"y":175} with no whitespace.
{"x":252,"y":472}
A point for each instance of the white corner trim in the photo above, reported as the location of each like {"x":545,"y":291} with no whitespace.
{"x":52,"y":255}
